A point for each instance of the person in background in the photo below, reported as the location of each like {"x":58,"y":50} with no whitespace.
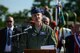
{"x":72,"y":43}
{"x":46,"y":20}
{"x":49,"y":22}
{"x":8,"y":44}
{"x":53,"y":24}
{"x":47,"y":11}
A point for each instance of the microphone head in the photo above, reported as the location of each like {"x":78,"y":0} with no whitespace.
{"x":30,"y":27}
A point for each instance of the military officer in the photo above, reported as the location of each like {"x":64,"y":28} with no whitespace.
{"x":40,"y":34}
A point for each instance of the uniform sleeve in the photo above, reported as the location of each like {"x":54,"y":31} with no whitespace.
{"x":54,"y":37}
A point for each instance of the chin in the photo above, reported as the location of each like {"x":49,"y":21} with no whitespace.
{"x":38,"y":21}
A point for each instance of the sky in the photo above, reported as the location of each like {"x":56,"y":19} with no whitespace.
{"x":17,"y":5}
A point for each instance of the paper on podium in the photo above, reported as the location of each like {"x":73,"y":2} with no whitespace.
{"x":51,"y":47}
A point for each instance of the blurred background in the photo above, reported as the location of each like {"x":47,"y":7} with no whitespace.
{"x":20,"y":10}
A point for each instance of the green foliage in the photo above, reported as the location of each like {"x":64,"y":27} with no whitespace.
{"x":2,"y":24}
{"x":3,"y":9}
{"x":42,"y":3}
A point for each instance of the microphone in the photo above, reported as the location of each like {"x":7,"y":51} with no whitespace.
{"x":30,"y":27}
{"x":25,"y":31}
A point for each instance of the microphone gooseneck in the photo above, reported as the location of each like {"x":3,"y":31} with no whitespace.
{"x":24,"y":32}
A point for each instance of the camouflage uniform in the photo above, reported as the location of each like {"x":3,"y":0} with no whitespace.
{"x":34,"y":39}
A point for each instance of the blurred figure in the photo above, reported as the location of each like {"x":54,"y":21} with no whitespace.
{"x":47,"y":11}
{"x":63,"y":33}
{"x":46,"y":20}
{"x":72,"y":43}
{"x":53,"y":24}
{"x":49,"y":22}
{"x":7,"y":44}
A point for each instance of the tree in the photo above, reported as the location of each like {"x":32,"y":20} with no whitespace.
{"x":3,"y":10}
{"x":72,"y":7}
{"x":42,"y":3}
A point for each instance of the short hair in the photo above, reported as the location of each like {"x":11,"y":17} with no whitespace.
{"x":8,"y":17}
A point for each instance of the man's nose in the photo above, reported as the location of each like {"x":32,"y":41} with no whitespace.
{"x":37,"y":16}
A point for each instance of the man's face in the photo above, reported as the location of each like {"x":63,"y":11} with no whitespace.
{"x":10,"y":22}
{"x":46,"y":21}
{"x":37,"y":17}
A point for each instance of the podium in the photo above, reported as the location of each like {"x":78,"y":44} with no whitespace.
{"x":39,"y":51}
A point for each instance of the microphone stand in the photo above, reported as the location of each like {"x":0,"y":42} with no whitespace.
{"x":24,"y":32}
{"x":17,"y":35}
